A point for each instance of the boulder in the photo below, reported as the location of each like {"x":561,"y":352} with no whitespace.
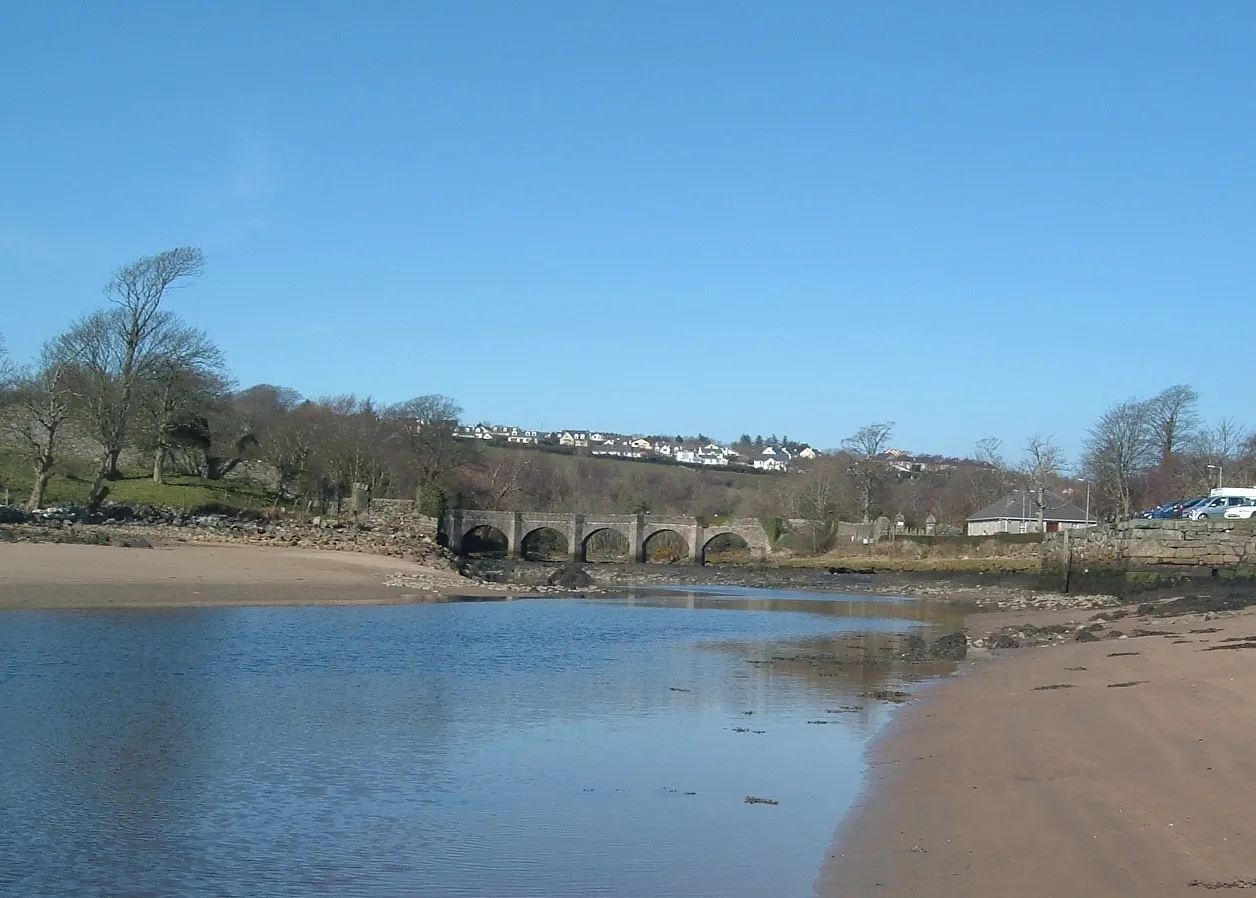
{"x":571,"y":576}
{"x":951,"y":647}
{"x":11,"y":515}
{"x":1003,"y":641}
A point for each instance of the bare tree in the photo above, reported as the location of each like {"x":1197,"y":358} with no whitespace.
{"x":1216,"y":448}
{"x":977,"y":485}
{"x":508,"y":474}
{"x":1172,"y":418}
{"x":237,"y":427}
{"x":187,"y":376}
{"x":1040,"y":467}
{"x":38,"y":412}
{"x":866,"y":446}
{"x":428,"y":424}
{"x":7,"y":372}
{"x":292,"y":448}
{"x":116,"y":348}
{"x":1120,"y":447}
{"x":818,"y":493}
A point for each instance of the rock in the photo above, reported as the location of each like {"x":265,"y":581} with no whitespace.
{"x":11,"y":515}
{"x":915,"y":648}
{"x":952,"y":646}
{"x":1002,"y":641}
{"x":130,"y":542}
{"x":1086,"y":636}
{"x":571,"y":576}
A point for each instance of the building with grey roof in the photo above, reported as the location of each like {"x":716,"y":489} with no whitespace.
{"x":1017,"y":513}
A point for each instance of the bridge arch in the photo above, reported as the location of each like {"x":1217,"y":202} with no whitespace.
{"x":665,"y":546}
{"x":484,"y":541}
{"x":545,"y":544}
{"x":465,"y":531}
{"x":607,"y":544}
{"x":723,"y":541}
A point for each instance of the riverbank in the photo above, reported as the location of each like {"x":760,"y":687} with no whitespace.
{"x":1107,"y":767}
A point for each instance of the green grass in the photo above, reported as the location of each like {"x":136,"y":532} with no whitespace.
{"x":72,"y":479}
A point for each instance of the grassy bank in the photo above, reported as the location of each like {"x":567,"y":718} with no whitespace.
{"x":72,"y":480}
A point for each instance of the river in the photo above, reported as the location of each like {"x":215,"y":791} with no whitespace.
{"x":488,"y":749}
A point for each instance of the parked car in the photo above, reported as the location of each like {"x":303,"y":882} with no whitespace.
{"x":1216,"y":507}
{"x":1240,"y":512}
{"x":1185,"y":508}
{"x":1168,"y":509}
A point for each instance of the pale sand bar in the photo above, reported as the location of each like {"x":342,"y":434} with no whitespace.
{"x":47,"y":575}
{"x":993,"y":787}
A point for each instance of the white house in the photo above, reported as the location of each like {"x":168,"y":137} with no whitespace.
{"x":808,"y":453}
{"x":1016,"y":513}
{"x":618,"y":449}
{"x":574,"y":438}
{"x":712,"y":456}
{"x":522,"y":437}
{"x":643,"y":444}
{"x":478,"y":432}
{"x":772,"y":458}
{"x":764,"y":462}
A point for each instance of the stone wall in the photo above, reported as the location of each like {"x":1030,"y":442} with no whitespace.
{"x":1152,"y":545}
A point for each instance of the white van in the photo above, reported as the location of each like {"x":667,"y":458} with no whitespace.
{"x":1222,"y":500}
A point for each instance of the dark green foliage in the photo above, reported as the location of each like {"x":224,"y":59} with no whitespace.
{"x":432,"y":501}
{"x":775,"y":529}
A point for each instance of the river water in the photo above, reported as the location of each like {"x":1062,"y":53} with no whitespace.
{"x":488,"y":749}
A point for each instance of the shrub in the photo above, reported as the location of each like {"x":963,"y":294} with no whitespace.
{"x":432,"y":501}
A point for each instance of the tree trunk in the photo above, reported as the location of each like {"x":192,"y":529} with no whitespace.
{"x":159,"y":464}
{"x":216,"y":470}
{"x":96,"y":495}
{"x":112,"y":472}
{"x":43,"y":473}
{"x":36,"y":499}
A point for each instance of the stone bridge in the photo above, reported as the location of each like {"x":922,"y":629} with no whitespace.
{"x":517,"y":526}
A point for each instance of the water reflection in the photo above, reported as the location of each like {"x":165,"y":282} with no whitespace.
{"x":743,"y":598}
{"x":529,"y":748}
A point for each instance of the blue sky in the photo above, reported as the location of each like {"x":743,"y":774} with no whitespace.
{"x":971,"y":219}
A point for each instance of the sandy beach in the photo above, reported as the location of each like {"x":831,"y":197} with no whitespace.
{"x":46,"y":575}
{"x":1111,"y":768}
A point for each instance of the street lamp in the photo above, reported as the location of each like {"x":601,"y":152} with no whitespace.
{"x":1218,"y":470}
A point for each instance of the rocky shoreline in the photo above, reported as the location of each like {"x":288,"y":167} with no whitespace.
{"x":408,"y":537}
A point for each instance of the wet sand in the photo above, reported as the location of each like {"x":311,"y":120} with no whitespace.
{"x":46,"y":575}
{"x":1112,"y":768}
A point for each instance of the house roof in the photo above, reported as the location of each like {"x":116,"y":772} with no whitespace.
{"x":1019,"y":506}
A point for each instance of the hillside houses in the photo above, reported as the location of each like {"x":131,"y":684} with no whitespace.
{"x":769,"y":457}
{"x":702,"y":452}
{"x":504,"y":434}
